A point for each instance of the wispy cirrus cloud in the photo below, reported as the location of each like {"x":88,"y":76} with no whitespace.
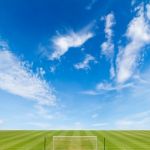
{"x":62,"y":43}
{"x":90,"y":5}
{"x":17,"y":77}
{"x":148,"y":10}
{"x":52,"y":69}
{"x":107,"y":47}
{"x":129,"y":56}
{"x":138,"y":34}
{"x":109,"y":87}
{"x":85,"y":64}
{"x":103,"y":87}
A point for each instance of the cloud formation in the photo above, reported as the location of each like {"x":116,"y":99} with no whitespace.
{"x":90,"y":5}
{"x":108,"y":47}
{"x":148,"y":10}
{"x":109,"y":87}
{"x":62,"y":43}
{"x":138,"y":121}
{"x":138,"y":34}
{"x":16,"y":77}
{"x":85,"y":63}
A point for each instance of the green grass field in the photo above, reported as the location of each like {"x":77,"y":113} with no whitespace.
{"x":34,"y":140}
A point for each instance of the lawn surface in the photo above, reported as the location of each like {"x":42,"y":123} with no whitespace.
{"x":34,"y":140}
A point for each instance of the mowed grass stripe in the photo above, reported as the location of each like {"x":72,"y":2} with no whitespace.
{"x":38,"y":144}
{"x":14,"y":141}
{"x":115,"y":140}
{"x":15,"y":136}
{"x":7,"y":134}
{"x":139,"y":135}
{"x":119,"y":141}
{"x":19,"y":142}
{"x":112,"y":141}
{"x":31,"y":143}
{"x":140,"y":139}
{"x":26,"y":143}
{"x":129,"y":144}
{"x":136,"y":140}
{"x":100,"y":138}
{"x":109,"y":139}
{"x":124,"y":141}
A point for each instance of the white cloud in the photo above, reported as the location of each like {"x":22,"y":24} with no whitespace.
{"x":133,"y":2}
{"x":136,"y":121}
{"x":85,"y":63}
{"x":112,"y":70}
{"x":52,"y":69}
{"x":148,"y":10}
{"x":43,"y":112}
{"x":100,"y":124}
{"x":108,"y":47}
{"x":41,"y":72}
{"x":103,"y":87}
{"x":90,"y":5}
{"x":138,"y":34}
{"x":126,"y":103}
{"x":62,"y":43}
{"x":110,"y":21}
{"x":16,"y":77}
{"x":109,"y":87}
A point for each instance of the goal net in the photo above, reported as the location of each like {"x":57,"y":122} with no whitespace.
{"x":74,"y":142}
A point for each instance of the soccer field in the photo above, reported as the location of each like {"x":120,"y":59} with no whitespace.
{"x":114,"y":140}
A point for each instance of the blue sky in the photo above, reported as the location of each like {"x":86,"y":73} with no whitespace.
{"x":74,"y":64}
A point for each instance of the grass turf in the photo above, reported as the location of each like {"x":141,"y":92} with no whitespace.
{"x":114,"y":140}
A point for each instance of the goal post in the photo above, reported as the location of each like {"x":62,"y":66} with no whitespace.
{"x":75,"y":143}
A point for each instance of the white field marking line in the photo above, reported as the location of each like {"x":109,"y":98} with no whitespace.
{"x":75,"y":136}
{"x":53,"y":143}
{"x":96,"y":147}
{"x":95,"y":138}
